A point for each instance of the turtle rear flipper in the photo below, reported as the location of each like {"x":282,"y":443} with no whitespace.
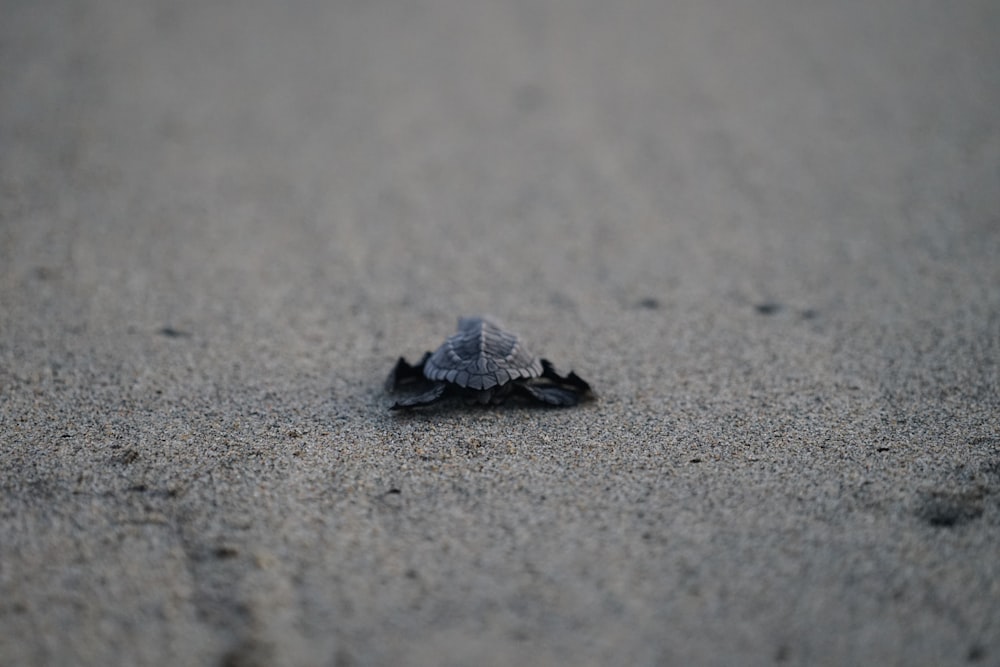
{"x":404,"y":374}
{"x":432,"y":395}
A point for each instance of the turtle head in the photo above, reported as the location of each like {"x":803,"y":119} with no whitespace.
{"x":467,"y":323}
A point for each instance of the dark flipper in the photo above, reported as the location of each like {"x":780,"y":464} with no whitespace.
{"x":433,"y":394}
{"x":573,"y":380}
{"x":552,"y":394}
{"x":555,"y":389}
{"x":404,"y":374}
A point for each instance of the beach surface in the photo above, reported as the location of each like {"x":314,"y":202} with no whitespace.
{"x":766,"y":232}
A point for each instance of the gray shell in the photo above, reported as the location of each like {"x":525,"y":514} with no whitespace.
{"x":481,"y":356}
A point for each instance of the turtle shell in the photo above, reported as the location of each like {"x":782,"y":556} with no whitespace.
{"x":482,"y":355}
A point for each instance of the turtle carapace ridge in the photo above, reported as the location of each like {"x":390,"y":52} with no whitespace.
{"x":482,"y":355}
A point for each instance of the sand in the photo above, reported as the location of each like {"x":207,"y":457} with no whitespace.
{"x":765,"y":232}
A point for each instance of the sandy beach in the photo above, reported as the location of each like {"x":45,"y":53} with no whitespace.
{"x":766,"y":233}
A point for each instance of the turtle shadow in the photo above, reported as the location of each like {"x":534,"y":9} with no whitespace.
{"x":458,"y":404}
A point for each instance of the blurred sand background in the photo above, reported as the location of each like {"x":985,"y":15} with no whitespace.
{"x":767,"y":232}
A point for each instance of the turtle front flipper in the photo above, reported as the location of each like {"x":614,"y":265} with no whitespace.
{"x":573,"y":381}
{"x":432,"y":395}
{"x":551,"y":394}
{"x":404,"y":373}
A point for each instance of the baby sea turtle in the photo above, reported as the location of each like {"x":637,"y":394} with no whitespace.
{"x":484,"y":362}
